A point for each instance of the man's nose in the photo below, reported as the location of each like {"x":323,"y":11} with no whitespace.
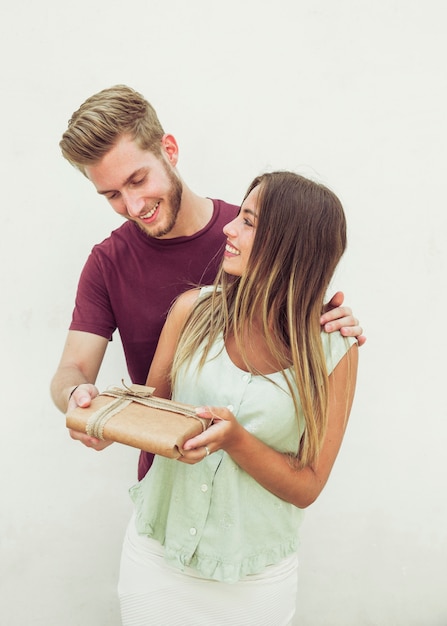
{"x":134,"y":204}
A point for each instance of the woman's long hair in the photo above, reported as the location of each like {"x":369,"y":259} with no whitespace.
{"x":300,"y":237}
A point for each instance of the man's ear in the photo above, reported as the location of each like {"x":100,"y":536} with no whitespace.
{"x":170,"y":148}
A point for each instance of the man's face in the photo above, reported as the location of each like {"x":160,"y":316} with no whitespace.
{"x":140,"y":186}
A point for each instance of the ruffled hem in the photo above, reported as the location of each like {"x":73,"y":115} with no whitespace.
{"x":213,"y":568}
{"x":229,"y":566}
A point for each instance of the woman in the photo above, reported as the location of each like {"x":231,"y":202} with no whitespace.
{"x":214,"y":537}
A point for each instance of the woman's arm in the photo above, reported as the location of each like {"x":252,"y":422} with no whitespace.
{"x":272,"y":469}
{"x":159,"y":373}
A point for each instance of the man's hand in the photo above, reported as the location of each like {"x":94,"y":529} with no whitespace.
{"x":82,"y":397}
{"x":338,"y":317}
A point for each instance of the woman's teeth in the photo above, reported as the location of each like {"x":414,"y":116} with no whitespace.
{"x":231,"y":250}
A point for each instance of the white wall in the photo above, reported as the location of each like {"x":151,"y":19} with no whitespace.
{"x":352,"y":91}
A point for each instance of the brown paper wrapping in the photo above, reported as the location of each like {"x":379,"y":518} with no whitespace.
{"x":129,"y":420}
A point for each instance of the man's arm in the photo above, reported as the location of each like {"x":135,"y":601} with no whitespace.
{"x":338,"y":317}
{"x":74,"y":381}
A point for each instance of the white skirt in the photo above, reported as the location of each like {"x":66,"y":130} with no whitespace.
{"x":153,"y":593}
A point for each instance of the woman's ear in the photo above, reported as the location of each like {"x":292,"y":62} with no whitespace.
{"x":170,"y":148}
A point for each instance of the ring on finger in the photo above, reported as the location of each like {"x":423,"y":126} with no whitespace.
{"x":207,"y":450}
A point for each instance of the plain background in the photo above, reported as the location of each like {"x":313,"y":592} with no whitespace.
{"x":352,"y":92}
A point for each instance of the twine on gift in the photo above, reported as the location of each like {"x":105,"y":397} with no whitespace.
{"x":135,"y":393}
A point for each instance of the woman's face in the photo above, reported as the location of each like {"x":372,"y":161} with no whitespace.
{"x":240,"y":235}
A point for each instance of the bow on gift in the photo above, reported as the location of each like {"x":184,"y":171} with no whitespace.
{"x":135,"y":393}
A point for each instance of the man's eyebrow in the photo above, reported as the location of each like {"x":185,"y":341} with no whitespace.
{"x":136,"y":173}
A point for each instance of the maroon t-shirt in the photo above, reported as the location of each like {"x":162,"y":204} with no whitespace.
{"x":130,"y":281}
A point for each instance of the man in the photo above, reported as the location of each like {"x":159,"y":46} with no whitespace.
{"x":172,"y":240}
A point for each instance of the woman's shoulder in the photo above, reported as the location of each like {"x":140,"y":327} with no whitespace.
{"x":335,"y":346}
{"x":184,"y":304}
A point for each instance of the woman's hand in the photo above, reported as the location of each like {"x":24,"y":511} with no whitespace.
{"x":272,"y":469}
{"x":222,"y":433}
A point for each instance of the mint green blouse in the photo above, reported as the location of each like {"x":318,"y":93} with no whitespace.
{"x":213,"y":516}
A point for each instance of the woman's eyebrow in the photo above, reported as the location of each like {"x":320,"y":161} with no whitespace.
{"x":250,"y":211}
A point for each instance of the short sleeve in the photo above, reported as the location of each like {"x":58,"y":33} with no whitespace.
{"x":335,"y":346}
{"x":93,"y":311}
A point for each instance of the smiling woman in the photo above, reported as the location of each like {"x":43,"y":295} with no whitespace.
{"x":240,"y":235}
{"x":249,"y":352}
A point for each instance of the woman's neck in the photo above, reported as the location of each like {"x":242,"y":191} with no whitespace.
{"x":256,"y":354}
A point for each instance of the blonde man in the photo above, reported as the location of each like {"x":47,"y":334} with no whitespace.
{"x":172,"y":239}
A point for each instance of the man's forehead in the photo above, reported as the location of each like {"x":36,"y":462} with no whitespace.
{"x":119,"y":165}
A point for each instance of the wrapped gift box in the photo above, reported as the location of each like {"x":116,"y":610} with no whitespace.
{"x":135,"y":417}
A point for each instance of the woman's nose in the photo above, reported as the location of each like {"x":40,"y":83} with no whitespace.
{"x":229,"y":229}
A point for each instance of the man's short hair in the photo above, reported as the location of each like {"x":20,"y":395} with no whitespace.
{"x":103,"y":119}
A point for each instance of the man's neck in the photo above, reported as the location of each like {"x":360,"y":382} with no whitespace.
{"x":195,"y":213}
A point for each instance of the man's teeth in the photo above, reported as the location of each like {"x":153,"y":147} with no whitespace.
{"x":151,"y":212}
{"x":231,"y":250}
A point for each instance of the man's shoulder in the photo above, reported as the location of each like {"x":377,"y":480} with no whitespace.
{"x":121,"y":236}
{"x":225,"y":207}
{"x":224,"y":212}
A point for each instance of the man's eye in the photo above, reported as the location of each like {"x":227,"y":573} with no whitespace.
{"x":140,"y":181}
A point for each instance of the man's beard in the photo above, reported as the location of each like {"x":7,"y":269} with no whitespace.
{"x":173,"y":201}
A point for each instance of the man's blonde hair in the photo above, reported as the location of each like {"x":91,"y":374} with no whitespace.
{"x":103,"y":119}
